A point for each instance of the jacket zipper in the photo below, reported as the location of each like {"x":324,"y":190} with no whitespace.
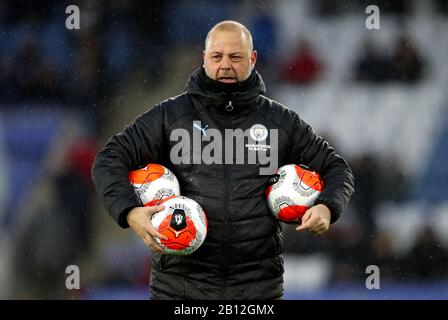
{"x":229,"y":106}
{"x":225,"y":231}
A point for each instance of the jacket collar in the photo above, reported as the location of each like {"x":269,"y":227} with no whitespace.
{"x":226,"y":98}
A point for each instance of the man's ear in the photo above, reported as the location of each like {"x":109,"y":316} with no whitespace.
{"x":253,"y":58}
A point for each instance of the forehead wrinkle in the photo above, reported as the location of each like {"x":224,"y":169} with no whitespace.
{"x":230,"y":53}
{"x":238,"y":40}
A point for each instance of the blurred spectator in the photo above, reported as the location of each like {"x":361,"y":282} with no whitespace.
{"x":331,"y":8}
{"x":407,"y":64}
{"x":151,"y":20}
{"x":348,"y":249}
{"x":380,"y":253}
{"x":8,"y":86}
{"x":304,"y":67}
{"x":36,"y":78}
{"x":441,"y":6}
{"x":81,"y":156}
{"x":398,"y":8}
{"x":75,"y":189}
{"x":376,"y":181}
{"x":24,"y":10}
{"x":5,"y":251}
{"x":352,"y":251}
{"x":82,"y":87}
{"x":264,"y":32}
{"x":367,"y":173}
{"x":4,"y":193}
{"x":372,"y":66}
{"x":404,"y":65}
{"x":57,"y":232}
{"x":395,"y":185}
{"x":427,"y":259}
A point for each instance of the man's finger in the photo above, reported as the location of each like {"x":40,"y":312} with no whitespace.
{"x":304,"y":226}
{"x":153,"y":209}
{"x":306,"y":221}
{"x":149,"y":227}
{"x":153,"y":232}
{"x":151,"y":243}
{"x":307,"y":216}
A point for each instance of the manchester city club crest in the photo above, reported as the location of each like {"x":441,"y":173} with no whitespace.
{"x":258,"y":132}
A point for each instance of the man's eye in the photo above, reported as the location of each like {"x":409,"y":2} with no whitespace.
{"x":236,"y":58}
{"x":216,"y":57}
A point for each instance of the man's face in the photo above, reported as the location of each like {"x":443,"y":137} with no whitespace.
{"x":228,"y":58}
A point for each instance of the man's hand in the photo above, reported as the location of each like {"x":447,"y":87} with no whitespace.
{"x":139,"y":219}
{"x":316,"y":219}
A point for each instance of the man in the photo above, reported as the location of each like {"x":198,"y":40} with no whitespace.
{"x":241,"y":257}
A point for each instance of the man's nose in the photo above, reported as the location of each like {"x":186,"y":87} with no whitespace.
{"x":225,"y":64}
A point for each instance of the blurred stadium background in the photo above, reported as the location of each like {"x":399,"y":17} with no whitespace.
{"x":379,"y":96}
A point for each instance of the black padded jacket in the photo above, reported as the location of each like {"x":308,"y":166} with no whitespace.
{"x":241,"y":257}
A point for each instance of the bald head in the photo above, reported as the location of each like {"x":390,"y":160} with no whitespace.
{"x":231,"y":26}
{"x":229,"y":55}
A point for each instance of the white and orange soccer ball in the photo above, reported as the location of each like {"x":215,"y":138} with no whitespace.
{"x":183,"y":222}
{"x":154,"y":183}
{"x":296,"y":190}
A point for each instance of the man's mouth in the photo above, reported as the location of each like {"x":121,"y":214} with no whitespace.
{"x":227,"y":79}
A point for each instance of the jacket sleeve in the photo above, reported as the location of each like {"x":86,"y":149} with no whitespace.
{"x":137,"y":145}
{"x":313,"y":151}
